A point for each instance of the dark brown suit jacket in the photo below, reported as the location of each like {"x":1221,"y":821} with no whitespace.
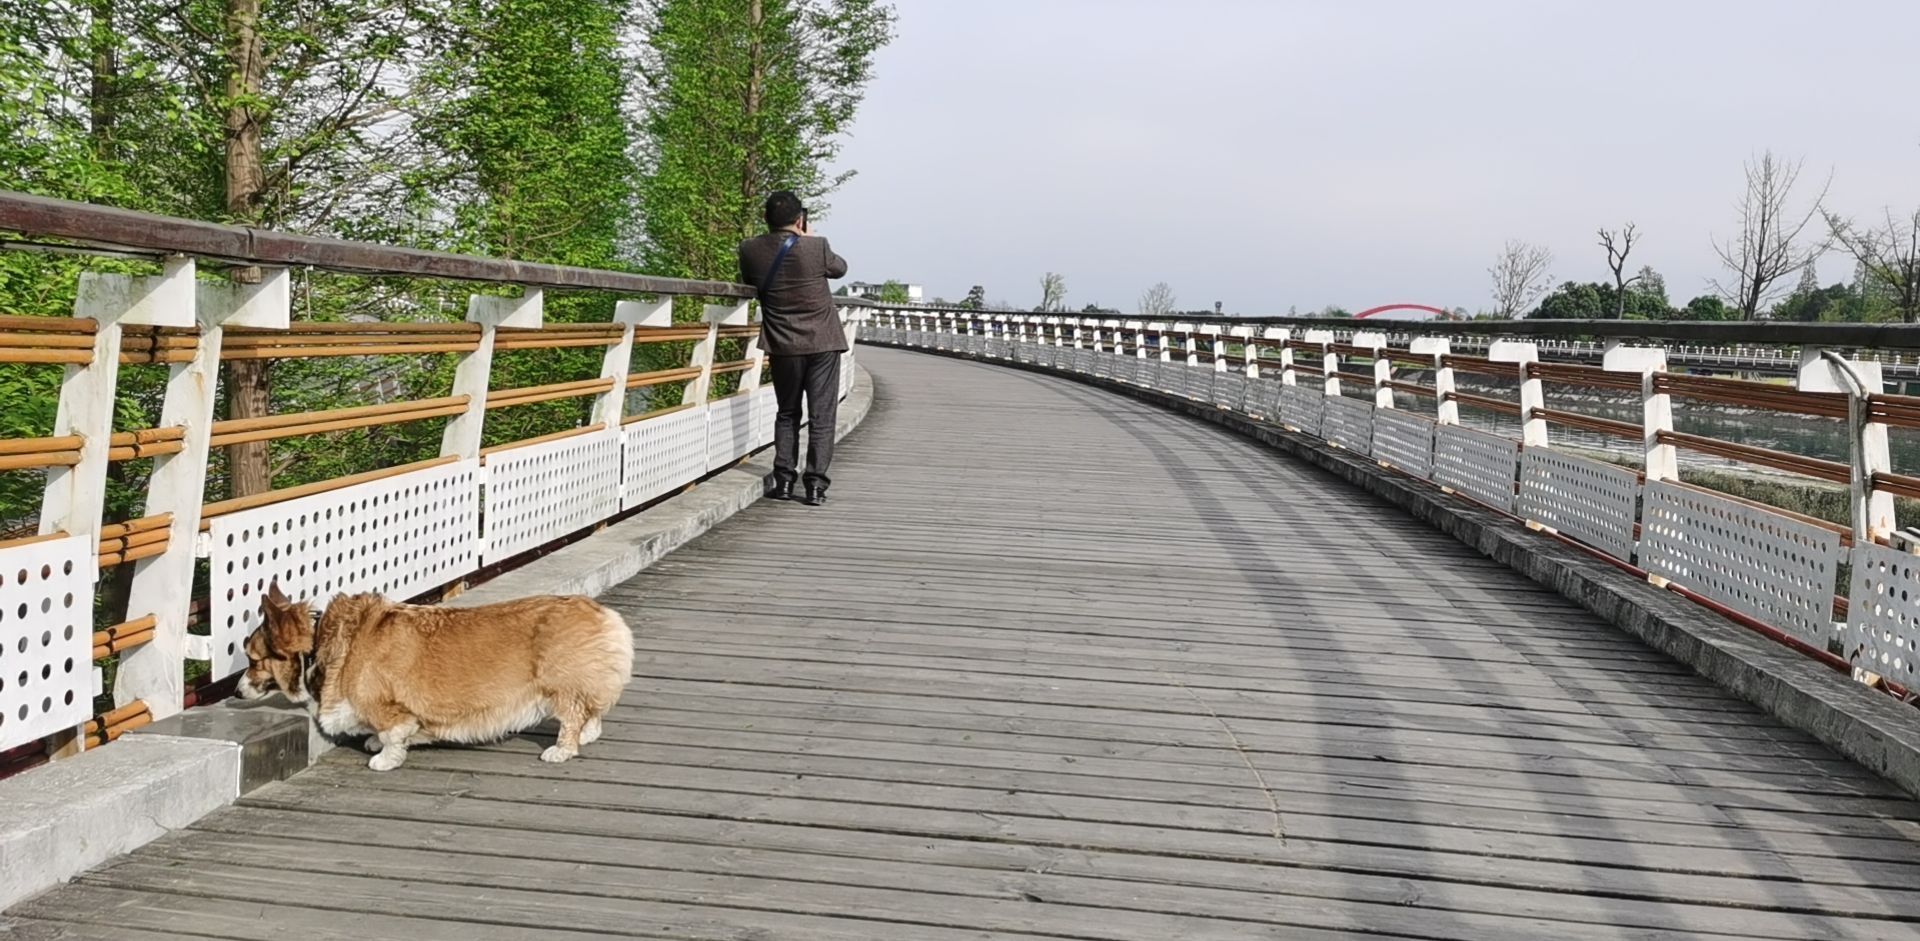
{"x":796,"y":310}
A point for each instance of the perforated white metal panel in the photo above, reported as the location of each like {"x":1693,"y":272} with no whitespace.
{"x":1883,"y":613}
{"x":996,"y":348}
{"x":1764,"y":565}
{"x":541,"y":492}
{"x":663,"y":453}
{"x":1404,"y":440}
{"x":729,"y":430}
{"x":766,"y":407}
{"x":1348,"y":423}
{"x":1200,"y":382}
{"x":1173,"y":377}
{"x":1591,"y":501}
{"x":400,"y":537}
{"x":46,"y":638}
{"x":1481,"y":465}
{"x":1082,"y":360}
{"x":1258,"y":397}
{"x":846,"y":375}
{"x":1229,"y":389}
{"x":1303,"y":407}
{"x":976,"y":345}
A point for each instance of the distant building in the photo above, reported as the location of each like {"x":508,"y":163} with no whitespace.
{"x":870,"y":291}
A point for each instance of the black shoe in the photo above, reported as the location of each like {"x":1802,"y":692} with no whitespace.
{"x":782,"y":490}
{"x":816,"y":496}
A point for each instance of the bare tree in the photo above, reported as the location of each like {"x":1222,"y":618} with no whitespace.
{"x":1889,"y":258}
{"x":1053,"y":292}
{"x":1770,"y":245}
{"x":1619,"y":245}
{"x":1519,"y":277}
{"x":1157,"y":301}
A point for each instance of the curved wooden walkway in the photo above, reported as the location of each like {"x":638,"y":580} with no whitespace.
{"x":1056,"y":664}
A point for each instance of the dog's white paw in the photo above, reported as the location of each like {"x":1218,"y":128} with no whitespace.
{"x":373,"y":744}
{"x":590,"y":733}
{"x":555,"y":754}
{"x":388,"y":759}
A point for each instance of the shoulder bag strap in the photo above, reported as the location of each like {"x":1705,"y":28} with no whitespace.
{"x":767,"y":282}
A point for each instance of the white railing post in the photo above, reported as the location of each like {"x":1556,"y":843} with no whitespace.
{"x":1382,"y":367}
{"x":463,"y":434}
{"x":715,"y":316}
{"x":1162,"y":349}
{"x":1656,"y":408}
{"x":163,"y":585}
{"x":1533,"y":429}
{"x":1330,"y":386}
{"x":1446,"y":410}
{"x":1249,"y":354}
{"x":1871,"y":510}
{"x":611,"y":408}
{"x":1217,"y":345}
{"x":1282,"y":335}
{"x":1139,"y":328}
{"x":1189,"y":347}
{"x":76,"y":496}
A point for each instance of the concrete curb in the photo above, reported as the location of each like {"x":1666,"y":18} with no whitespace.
{"x":1868,"y":727}
{"x":64,"y":818}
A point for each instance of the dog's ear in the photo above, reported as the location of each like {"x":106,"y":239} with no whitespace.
{"x":289,"y":629}
{"x":277,"y":598}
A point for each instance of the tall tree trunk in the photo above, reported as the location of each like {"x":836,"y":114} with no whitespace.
{"x":104,"y":67}
{"x":756,"y":84}
{"x":248,"y":387}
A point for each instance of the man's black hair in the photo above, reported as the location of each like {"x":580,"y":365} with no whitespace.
{"x":783,"y":209}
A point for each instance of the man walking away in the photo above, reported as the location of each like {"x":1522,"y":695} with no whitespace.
{"x":799,"y":329}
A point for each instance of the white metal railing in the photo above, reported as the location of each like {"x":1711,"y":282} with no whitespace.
{"x":404,"y":531}
{"x":1774,"y":569}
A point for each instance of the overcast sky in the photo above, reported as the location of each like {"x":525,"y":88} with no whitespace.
{"x":1276,"y":153}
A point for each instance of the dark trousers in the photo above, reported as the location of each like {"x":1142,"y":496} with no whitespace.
{"x":816,"y":376}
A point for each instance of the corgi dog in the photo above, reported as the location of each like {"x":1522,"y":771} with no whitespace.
{"x":407,"y":675}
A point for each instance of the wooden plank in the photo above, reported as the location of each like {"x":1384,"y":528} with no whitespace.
{"x":1466,"y":863}
{"x":669,"y":872}
{"x":960,"y":868}
{"x":1185,"y":690}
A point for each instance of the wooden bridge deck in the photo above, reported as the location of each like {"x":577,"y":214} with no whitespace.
{"x":1055,"y":664}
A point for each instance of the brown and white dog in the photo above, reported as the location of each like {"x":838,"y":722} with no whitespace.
{"x":411,"y":674}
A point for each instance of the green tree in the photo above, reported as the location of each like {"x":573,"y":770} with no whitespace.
{"x":1651,"y":283}
{"x":976,"y":298}
{"x":893,"y":292}
{"x":1887,"y":259}
{"x":1600,"y":301}
{"x":743,"y":97}
{"x":536,"y":135}
{"x":1810,"y":303}
{"x":1706,"y":307}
